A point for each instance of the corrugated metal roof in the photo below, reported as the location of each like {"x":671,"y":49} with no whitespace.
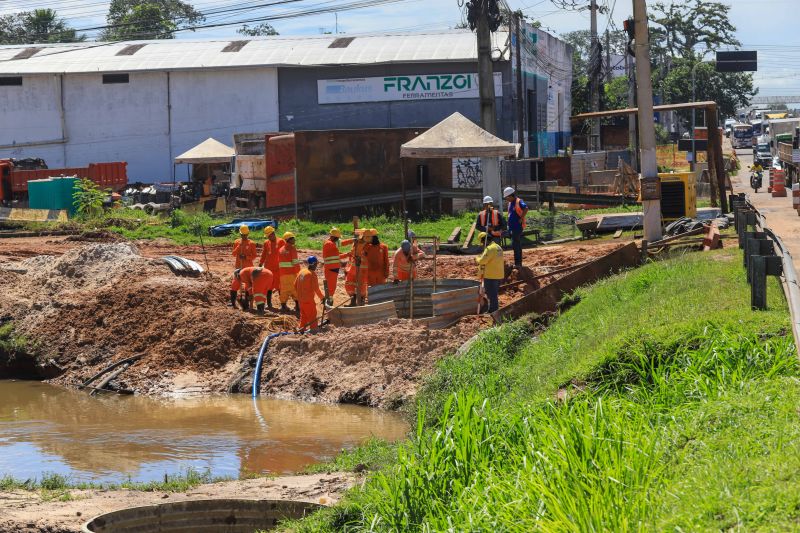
{"x":159,"y":55}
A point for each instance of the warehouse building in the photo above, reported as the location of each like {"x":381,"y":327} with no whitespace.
{"x":145,"y":102}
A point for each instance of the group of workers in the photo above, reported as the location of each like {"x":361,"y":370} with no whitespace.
{"x":366,"y":263}
{"x":280,"y":270}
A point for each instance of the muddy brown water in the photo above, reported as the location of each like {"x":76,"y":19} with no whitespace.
{"x":45,"y":429}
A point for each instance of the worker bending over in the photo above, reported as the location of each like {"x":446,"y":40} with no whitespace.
{"x":517,"y":211}
{"x":259,"y":280}
{"x":288,"y":266}
{"x":357,"y":273}
{"x":306,"y":286}
{"x":332,"y":260}
{"x":404,"y":265}
{"x":271,"y":260}
{"x":377,"y":260}
{"x":490,"y":220}
{"x":244,"y":253}
{"x":491,"y":269}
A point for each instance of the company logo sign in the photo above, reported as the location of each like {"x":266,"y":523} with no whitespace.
{"x":399,"y":88}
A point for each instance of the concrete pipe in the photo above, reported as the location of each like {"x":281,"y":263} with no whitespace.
{"x":228,"y":516}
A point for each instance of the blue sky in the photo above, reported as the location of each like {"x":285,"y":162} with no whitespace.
{"x":769,"y":26}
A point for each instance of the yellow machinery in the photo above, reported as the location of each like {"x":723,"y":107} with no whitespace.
{"x":678,"y":195}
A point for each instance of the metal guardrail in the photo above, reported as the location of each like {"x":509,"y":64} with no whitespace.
{"x":789,"y":279}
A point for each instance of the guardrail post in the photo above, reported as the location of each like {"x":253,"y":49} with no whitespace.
{"x":744,"y":219}
{"x":762,"y":266}
{"x":746,"y":238}
{"x":756,"y":245}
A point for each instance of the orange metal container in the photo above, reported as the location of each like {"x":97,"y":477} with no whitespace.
{"x":107,"y":175}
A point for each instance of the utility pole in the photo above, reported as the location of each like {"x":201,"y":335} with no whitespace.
{"x":647,"y":130}
{"x":490,"y":166}
{"x":595,"y":77}
{"x":633,"y":140}
{"x":609,"y":78}
{"x":520,"y":114}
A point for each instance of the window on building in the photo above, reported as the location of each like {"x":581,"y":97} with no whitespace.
{"x":341,"y":42}
{"x":10,"y":81}
{"x":234,"y":46}
{"x":115,"y":78}
{"x":131,"y":49}
{"x":28,"y":52}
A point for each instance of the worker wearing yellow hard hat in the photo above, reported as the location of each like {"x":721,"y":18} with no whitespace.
{"x":288,"y":267}
{"x":332,"y":260}
{"x":244,"y":253}
{"x":271,"y":261}
{"x":491,"y":269}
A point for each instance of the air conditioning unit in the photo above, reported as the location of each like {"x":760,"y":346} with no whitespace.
{"x":678,"y":196}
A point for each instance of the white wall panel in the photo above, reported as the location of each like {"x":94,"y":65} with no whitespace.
{"x":119,"y":122}
{"x":30,"y":113}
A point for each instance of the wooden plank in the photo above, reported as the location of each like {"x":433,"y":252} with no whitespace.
{"x":546,"y":299}
{"x":454,"y":235}
{"x":470,"y":236}
{"x":618,"y":234}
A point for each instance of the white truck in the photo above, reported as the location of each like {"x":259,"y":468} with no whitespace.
{"x":249,"y":174}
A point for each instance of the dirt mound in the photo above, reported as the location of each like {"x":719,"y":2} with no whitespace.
{"x":377,"y":365}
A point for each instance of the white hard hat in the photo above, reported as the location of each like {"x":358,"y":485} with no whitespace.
{"x":488,"y":200}
{"x":508,"y":191}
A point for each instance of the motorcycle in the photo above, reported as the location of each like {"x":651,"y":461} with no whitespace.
{"x":756,"y":179}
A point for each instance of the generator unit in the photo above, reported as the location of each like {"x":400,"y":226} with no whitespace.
{"x":678,"y":195}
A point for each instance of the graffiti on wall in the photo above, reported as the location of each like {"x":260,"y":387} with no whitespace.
{"x":467,"y":173}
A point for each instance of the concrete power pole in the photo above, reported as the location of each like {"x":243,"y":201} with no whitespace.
{"x":647,"y":130}
{"x":490,"y":166}
{"x":633,"y":141}
{"x":594,"y":85}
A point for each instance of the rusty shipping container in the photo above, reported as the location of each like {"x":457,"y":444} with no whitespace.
{"x":107,"y":175}
{"x":338,"y":164}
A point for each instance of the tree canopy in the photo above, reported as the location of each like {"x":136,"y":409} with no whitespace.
{"x":263,"y":29}
{"x":148,"y":19}
{"x":37,"y":26}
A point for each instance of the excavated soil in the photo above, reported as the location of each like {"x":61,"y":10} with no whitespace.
{"x":85,"y":305}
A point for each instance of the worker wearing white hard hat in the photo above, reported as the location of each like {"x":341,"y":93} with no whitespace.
{"x":517,"y":211}
{"x":490,"y":220}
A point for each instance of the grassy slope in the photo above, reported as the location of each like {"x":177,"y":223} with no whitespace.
{"x":682,"y":416}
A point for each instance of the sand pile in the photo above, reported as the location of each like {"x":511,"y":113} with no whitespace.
{"x":377,"y":365}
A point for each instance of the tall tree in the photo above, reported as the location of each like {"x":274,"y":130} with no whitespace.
{"x":45,"y":26}
{"x":148,"y":19}
{"x":263,"y":29}
{"x":37,"y":26}
{"x":688,"y":25}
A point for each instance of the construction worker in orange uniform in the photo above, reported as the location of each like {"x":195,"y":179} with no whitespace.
{"x":377,"y":260}
{"x":271,"y":260}
{"x":357,"y":272}
{"x":288,"y":267}
{"x":307,"y":286}
{"x":332,"y":261}
{"x":404,"y":263}
{"x":259,"y":280}
{"x":245,"y":252}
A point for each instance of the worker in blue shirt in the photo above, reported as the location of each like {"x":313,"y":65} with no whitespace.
{"x":517,"y":211}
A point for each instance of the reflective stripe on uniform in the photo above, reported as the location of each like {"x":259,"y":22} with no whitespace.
{"x":286,"y":264}
{"x":331,"y":260}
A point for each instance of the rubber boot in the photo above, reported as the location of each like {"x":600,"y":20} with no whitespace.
{"x":260,"y":308}
{"x":297,"y":309}
{"x":234,"y":294}
{"x":269,"y":299}
{"x":246,"y":305}
{"x":353,"y":301}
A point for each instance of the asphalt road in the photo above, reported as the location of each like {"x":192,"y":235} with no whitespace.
{"x":781,"y":218}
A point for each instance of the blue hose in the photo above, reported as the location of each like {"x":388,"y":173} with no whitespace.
{"x":261,"y":352}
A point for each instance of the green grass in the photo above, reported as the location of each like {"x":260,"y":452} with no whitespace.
{"x":58,"y":483}
{"x":677,"y":412}
{"x":185,"y":229}
{"x":371,"y":455}
{"x":13,"y":344}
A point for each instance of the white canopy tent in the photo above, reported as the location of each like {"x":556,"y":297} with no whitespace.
{"x":208,"y":151}
{"x":455,"y":137}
